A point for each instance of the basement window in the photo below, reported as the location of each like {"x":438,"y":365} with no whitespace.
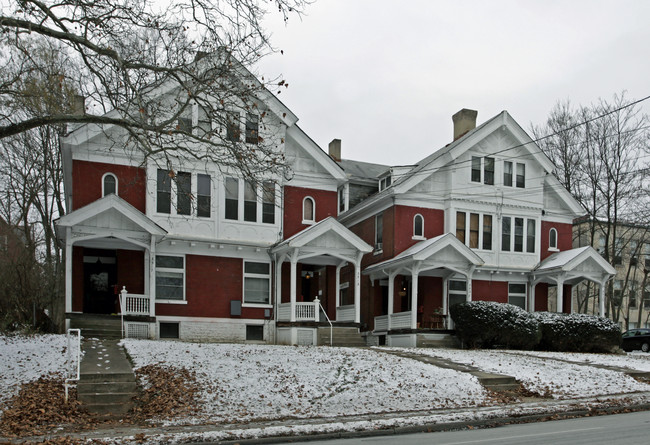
{"x":254,"y":332}
{"x":169,"y":330}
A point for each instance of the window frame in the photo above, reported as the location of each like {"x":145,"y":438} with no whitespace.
{"x":253,"y":275}
{"x":517,"y":176}
{"x":552,"y":239}
{"x":171,"y":270}
{"x":519,"y":236}
{"x":416,"y":235}
{"x":201,"y":206}
{"x":183,"y":193}
{"x":252,"y":129}
{"x":311,"y":220}
{"x":240,"y":209}
{"x":379,"y":233}
{"x":104,"y":177}
{"x":167,"y":190}
{"x":343,"y":199}
{"x":523,"y":295}
{"x":481,"y":229}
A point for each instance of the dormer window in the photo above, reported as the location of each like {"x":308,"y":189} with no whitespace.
{"x":385,"y":182}
{"x":109,"y":184}
{"x":483,"y":170}
{"x":308,"y":210}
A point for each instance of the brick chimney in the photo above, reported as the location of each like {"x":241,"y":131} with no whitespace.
{"x":464,"y":121}
{"x":335,"y":150}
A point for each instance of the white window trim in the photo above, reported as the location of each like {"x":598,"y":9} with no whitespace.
{"x":173,"y":270}
{"x":514,"y":163}
{"x":512,"y":235}
{"x":313,"y":210}
{"x":194,"y":186}
{"x":552,"y":248}
{"x":259,"y":210}
{"x":482,"y":170}
{"x":254,"y":275}
{"x":525,"y":294}
{"x":343,"y":190}
{"x":379,"y":247}
{"x":418,"y":237}
{"x":480,"y":228}
{"x":116,"y":183}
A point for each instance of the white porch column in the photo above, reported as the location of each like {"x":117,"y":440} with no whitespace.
{"x":68,"y":269}
{"x":414,"y":299}
{"x":338,"y":284}
{"x":601,"y":298}
{"x":278,"y":284}
{"x":357,"y":288}
{"x":292,"y":291}
{"x":445,"y":295}
{"x":391,"y":296}
{"x":470,"y":274}
{"x":152,"y":276}
{"x":560,"y":294}
{"x":531,"y":296}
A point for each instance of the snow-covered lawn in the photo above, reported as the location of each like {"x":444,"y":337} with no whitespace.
{"x":246,"y":382}
{"x":26,"y":358}
{"x":545,"y":375}
{"x":638,"y":361}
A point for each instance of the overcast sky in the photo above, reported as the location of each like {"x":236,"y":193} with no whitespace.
{"x":386,"y":76}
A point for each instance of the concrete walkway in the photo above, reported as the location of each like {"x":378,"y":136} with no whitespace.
{"x":104,"y":356}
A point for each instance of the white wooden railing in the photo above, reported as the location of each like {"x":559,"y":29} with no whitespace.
{"x":304,"y":311}
{"x":345,"y":313}
{"x":399,"y":320}
{"x":76,"y":351}
{"x":133,"y":304}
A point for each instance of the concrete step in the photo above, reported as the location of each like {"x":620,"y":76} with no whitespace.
{"x":92,"y":321}
{"x":105,"y":398}
{"x":109,"y":409}
{"x":101,"y":333}
{"x":503,"y":388}
{"x":105,"y":387}
{"x":107,"y":377}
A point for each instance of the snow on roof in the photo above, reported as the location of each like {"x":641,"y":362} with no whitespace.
{"x":560,"y":259}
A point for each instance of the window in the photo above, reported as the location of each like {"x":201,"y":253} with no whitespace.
{"x":268,"y":202}
{"x":479,"y":230}
{"x":460,"y":226}
{"x":485,"y":164}
{"x":617,"y":296}
{"x":250,"y":202}
{"x":233,"y":131}
{"x":163,"y":192}
{"x":521,"y":237}
{"x":618,"y":251}
{"x":602,"y":244}
{"x":379,"y":232}
{"x":184,"y":193}
{"x":552,"y":239}
{"x":232,"y":198}
{"x":488,"y":171}
{"x":634,"y":286}
{"x":487,"y":232}
{"x":634,"y":247}
{"x":517,"y":294}
{"x":255,"y":332}
{"x":521,"y":175}
{"x":169,"y":330}
{"x":257,"y":283}
{"x":252,"y":124}
{"x":385,"y":182}
{"x":343,"y":202}
{"x":203,"y":193}
{"x":307,"y":210}
{"x":507,"y":173}
{"x":457,"y":291}
{"x":185,"y":120}
{"x":204,"y":122}
{"x":530,"y":236}
{"x":476,"y":169}
{"x":170,"y":277}
{"x":418,"y":226}
{"x":109,"y":184}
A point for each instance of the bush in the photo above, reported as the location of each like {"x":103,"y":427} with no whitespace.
{"x":488,"y":324}
{"x":577,"y":332}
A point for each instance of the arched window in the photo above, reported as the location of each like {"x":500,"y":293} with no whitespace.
{"x":109,"y":184}
{"x":308,"y":210}
{"x":552,"y":239}
{"x":418,"y":226}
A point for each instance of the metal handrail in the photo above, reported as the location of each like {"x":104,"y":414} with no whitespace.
{"x":69,"y":380}
{"x":329,"y":321}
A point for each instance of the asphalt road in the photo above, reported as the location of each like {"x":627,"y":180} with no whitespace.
{"x":628,"y":429}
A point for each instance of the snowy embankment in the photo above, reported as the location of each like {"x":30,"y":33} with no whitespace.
{"x":635,"y":361}
{"x":27,"y":358}
{"x":246,"y":382}
{"x":547,"y":375}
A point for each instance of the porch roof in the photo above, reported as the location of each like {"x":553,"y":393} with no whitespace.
{"x":110,"y":217}
{"x":442,"y":252}
{"x":325,"y":238}
{"x":574,"y":265}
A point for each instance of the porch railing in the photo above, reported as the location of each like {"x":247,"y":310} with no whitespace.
{"x":399,"y":320}
{"x":304,"y":311}
{"x":134,"y":304}
{"x":345,"y":313}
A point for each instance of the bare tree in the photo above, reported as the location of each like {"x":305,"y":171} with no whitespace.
{"x":143,"y":66}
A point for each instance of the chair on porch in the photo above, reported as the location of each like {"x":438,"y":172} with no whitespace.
{"x":434,"y":321}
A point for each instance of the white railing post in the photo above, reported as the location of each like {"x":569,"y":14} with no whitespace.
{"x":316,"y":310}
{"x":123,"y":295}
{"x":68,"y":380}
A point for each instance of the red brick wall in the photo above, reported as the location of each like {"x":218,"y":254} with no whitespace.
{"x":324,"y":201}
{"x":130,"y":270}
{"x":434,"y":224}
{"x":490,"y":291}
{"x":564,"y":237}
{"x":541,"y":297}
{"x":366,"y":231}
{"x":87,"y":183}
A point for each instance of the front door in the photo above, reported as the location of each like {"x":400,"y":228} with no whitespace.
{"x":100,"y":278}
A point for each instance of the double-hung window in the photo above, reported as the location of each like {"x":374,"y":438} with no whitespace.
{"x":475,"y":231}
{"x":518,"y":234}
{"x":379,"y":232}
{"x":232,"y":198}
{"x":170,"y":277}
{"x":182,"y":186}
{"x":255,"y":204}
{"x":203,"y":195}
{"x":257,"y":283}
{"x":483,"y":168}
{"x":250,"y":202}
{"x":163,"y":192}
{"x":514,"y":172}
{"x":184,"y":193}
{"x":517,"y":294}
{"x":268,"y":202}
{"x":252,"y":124}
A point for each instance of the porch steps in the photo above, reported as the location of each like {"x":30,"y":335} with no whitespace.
{"x":98,"y":326}
{"x":107,"y":384}
{"x":347,"y":337}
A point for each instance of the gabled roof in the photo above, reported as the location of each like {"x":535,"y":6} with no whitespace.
{"x":426,"y":251}
{"x":316,"y":152}
{"x":576,"y":265}
{"x":108,"y":203}
{"x":312,"y":233}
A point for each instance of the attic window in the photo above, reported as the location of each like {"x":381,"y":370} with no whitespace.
{"x":109,"y":184}
{"x":385,"y":182}
{"x":252,"y":124}
{"x":483,"y":168}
